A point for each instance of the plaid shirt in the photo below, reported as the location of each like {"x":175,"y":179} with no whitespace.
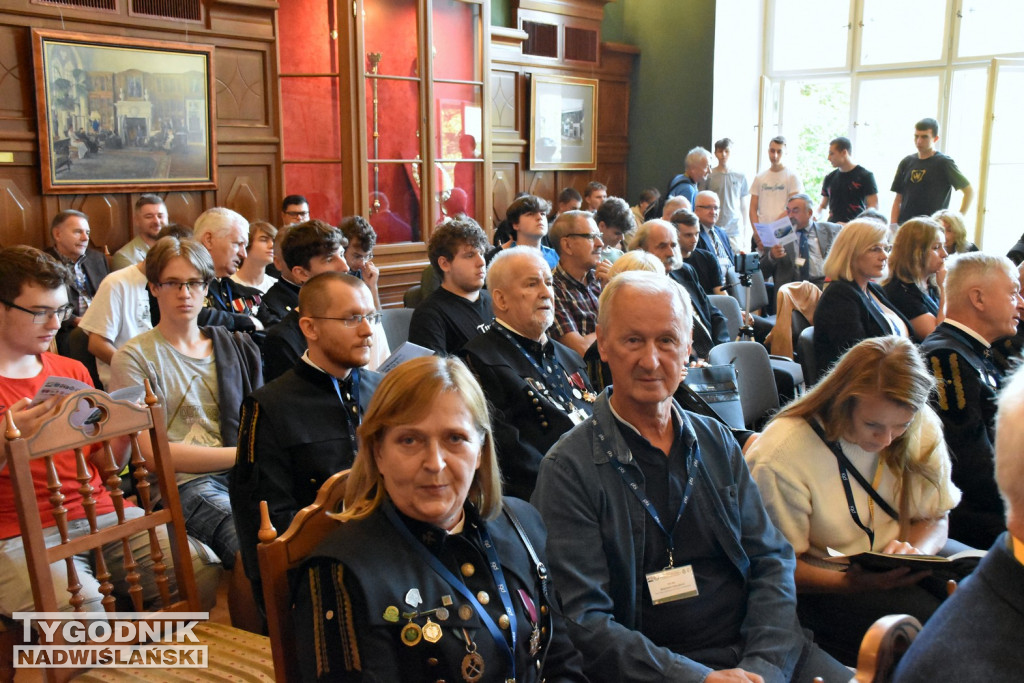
{"x":575,"y":303}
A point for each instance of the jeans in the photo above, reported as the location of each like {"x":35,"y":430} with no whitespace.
{"x":16,"y":589}
{"x":207,"y":509}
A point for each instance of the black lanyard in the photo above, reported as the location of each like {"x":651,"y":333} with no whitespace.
{"x":692,"y":463}
{"x":550,"y":380}
{"x":845,"y":469}
{"x":499,"y":580}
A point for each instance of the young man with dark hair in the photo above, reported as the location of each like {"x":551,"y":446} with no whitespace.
{"x":731,"y":187}
{"x":925,"y":181}
{"x":460,"y":308}
{"x":149,"y":217}
{"x":593,"y":195}
{"x":528,"y":218}
{"x":773,"y":187}
{"x":615,"y":221}
{"x":70,"y":232}
{"x":294,"y":209}
{"x":315,"y":241}
{"x":33,"y":303}
{"x":850,"y":188}
{"x":359,"y":252}
{"x":310,"y":248}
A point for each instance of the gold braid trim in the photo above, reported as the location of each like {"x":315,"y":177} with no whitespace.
{"x":347,"y":632}
{"x":940,"y":384}
{"x":252,"y":430}
{"x":958,"y":383}
{"x":319,"y":644}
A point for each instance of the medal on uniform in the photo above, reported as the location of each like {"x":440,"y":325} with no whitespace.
{"x":412,"y":598}
{"x":391,"y":614}
{"x":465,"y":612}
{"x":472,"y":664}
{"x":431,"y":631}
{"x":412,"y":634}
{"x":531,"y":611}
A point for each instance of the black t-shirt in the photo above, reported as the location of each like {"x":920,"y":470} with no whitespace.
{"x":910,"y":300}
{"x":848,"y":192}
{"x":926,"y":184}
{"x":444,"y":321}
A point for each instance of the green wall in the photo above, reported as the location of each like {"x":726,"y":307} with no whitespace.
{"x":501,"y":13}
{"x":673,"y":80}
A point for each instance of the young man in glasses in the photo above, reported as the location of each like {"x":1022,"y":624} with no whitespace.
{"x":33,"y":303}
{"x":201,"y":375}
{"x":300,"y":429}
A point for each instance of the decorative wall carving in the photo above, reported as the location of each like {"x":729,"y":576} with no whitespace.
{"x":241,"y":87}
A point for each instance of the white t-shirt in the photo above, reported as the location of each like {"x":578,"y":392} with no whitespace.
{"x":798,"y":478}
{"x":263,"y":286}
{"x":118,"y":312}
{"x":773,"y":190}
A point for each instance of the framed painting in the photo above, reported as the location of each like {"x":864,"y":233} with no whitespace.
{"x":120,"y":114}
{"x":563,"y":123}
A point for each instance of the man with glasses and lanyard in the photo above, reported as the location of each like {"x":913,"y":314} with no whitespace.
{"x":539,"y":388}
{"x":300,"y":429}
{"x":666,"y":561}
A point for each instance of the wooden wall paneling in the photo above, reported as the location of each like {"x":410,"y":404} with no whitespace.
{"x":245,"y":102}
{"x":542,"y":184}
{"x":17,"y":83}
{"x":20,"y":210}
{"x":243,"y":189}
{"x":106,"y":214}
{"x":184,"y":207}
{"x":503,"y":188}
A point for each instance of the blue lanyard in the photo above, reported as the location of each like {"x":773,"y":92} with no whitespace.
{"x":549,"y":380}
{"x":692,"y":463}
{"x":354,"y":407}
{"x":499,"y":580}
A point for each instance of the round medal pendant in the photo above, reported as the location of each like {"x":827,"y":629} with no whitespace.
{"x":412,"y":634}
{"x":431,"y":632}
{"x":472,"y":667}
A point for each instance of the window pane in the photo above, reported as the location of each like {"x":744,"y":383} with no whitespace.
{"x":887,"y":110}
{"x":459,"y":136}
{"x":813,"y":112}
{"x":320,"y":184}
{"x":961,"y":134}
{"x":310,"y":108}
{"x":395,"y":202}
{"x":810,"y":33}
{"x":396,"y":119}
{"x":390,"y":31}
{"x":897,"y":31}
{"x":1006,"y":168}
{"x":456,"y":40}
{"x":991,"y":28}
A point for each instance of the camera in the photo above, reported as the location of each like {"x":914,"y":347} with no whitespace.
{"x":747,"y":264}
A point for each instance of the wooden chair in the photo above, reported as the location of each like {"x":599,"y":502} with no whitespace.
{"x":883,"y":646}
{"x":84,"y":420}
{"x":279,"y":556}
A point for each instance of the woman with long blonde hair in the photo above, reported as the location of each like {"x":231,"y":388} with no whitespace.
{"x":858,"y":464}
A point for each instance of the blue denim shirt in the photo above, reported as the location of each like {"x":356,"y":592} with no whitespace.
{"x":596,"y":540}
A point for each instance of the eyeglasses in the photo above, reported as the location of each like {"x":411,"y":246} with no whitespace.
{"x":64,"y":313}
{"x":353,"y":321}
{"x":592,"y":236}
{"x":194,"y":286}
{"x":297,"y":214}
{"x":708,"y":208}
{"x":880,"y":249}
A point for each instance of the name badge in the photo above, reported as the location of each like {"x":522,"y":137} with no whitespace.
{"x":800,"y":261}
{"x":670,"y":585}
{"x":577,"y":416}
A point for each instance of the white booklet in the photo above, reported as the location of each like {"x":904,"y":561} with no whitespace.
{"x":406,"y":351}
{"x":62,"y":386}
{"x":780,"y":232}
